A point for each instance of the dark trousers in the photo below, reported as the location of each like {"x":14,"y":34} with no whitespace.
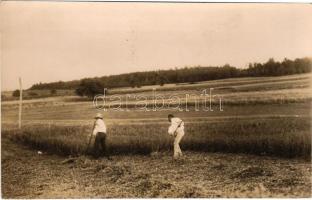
{"x":100,"y":145}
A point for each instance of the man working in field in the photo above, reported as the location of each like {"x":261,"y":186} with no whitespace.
{"x":99,"y":132}
{"x":176,"y":129}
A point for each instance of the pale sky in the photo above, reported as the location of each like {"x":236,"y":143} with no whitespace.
{"x":52,"y":41}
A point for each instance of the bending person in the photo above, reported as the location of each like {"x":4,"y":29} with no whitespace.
{"x":176,"y":129}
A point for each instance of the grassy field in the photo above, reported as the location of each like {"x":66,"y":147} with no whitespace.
{"x":260,"y":115}
{"x":267,"y":116}
{"x":224,"y":86}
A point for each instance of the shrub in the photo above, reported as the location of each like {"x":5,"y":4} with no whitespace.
{"x":16,"y":93}
{"x":89,"y":88}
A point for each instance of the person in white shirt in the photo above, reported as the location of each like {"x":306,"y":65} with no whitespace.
{"x":99,"y":132}
{"x":176,"y":129}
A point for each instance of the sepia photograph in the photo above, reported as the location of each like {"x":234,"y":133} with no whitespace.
{"x":155,"y":100}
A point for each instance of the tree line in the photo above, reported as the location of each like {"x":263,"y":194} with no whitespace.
{"x":182,"y":75}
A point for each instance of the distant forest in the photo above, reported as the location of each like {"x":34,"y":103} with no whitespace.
{"x":189,"y":75}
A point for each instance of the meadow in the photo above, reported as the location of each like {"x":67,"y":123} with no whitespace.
{"x":264,"y":116}
{"x":259,"y":145}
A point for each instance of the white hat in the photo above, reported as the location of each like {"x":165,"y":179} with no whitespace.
{"x":99,"y":115}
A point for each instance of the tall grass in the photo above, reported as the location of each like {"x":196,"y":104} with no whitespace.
{"x":286,"y":137}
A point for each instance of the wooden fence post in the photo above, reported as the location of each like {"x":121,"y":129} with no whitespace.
{"x":20,"y":104}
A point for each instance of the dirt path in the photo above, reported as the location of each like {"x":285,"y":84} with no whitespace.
{"x":26,"y":174}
